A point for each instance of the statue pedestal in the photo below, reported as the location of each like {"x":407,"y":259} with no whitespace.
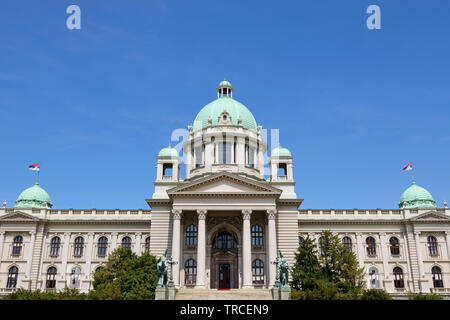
{"x":172,"y":292}
{"x":275,"y":293}
{"x":285,"y":293}
{"x":161,"y":294}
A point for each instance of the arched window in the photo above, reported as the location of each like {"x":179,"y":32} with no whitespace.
{"x":190,"y":269}
{"x":300,"y":241}
{"x":55,"y":244}
{"x":191,"y":235}
{"x":347,"y":242}
{"x":126,"y":243}
{"x":398,"y":278}
{"x":395,"y":246}
{"x":102,"y":246}
{"x":51,"y":278}
{"x":373,"y":278}
{"x":257,"y":235}
{"x":319,"y":245}
{"x":432,"y":246}
{"x":75,"y":277}
{"x":371,"y":246}
{"x":78,"y":248}
{"x":17,"y":245}
{"x":258,"y":271}
{"x":13,"y":273}
{"x":437,"y":277}
{"x":224,"y":240}
{"x":147,"y":244}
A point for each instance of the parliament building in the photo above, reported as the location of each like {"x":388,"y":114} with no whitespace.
{"x":223,"y":222}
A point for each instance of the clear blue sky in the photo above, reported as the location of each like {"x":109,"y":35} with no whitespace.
{"x":94,"y":106}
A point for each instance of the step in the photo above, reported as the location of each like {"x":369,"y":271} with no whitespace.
{"x":232,"y":294}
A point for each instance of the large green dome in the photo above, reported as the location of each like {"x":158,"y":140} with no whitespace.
{"x":33,"y":197}
{"x":223,"y":103}
{"x":416,"y":197}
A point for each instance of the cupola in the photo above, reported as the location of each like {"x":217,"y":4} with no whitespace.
{"x":416,"y":197}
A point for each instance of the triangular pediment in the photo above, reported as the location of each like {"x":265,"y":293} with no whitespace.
{"x":18,"y":216}
{"x":431,"y":216}
{"x":224,"y":183}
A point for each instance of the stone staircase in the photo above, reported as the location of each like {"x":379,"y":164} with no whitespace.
{"x":232,"y":294}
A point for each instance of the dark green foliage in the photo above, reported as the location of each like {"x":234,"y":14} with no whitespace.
{"x":66,"y":294}
{"x":421,"y":296}
{"x":333,"y":274}
{"x":125,"y":276}
{"x":375,"y":294}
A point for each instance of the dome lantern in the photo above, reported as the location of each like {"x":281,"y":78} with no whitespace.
{"x":224,"y":89}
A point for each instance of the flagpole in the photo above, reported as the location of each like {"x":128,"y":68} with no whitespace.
{"x":37,"y":181}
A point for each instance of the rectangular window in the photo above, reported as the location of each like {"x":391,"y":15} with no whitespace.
{"x":198,"y":157}
{"x":224,"y":153}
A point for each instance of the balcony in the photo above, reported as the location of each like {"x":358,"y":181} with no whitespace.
{"x":282,"y":177}
{"x":440,"y":290}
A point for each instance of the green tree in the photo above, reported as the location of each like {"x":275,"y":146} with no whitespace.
{"x":375,"y":294}
{"x":333,"y":273}
{"x":126,"y":276}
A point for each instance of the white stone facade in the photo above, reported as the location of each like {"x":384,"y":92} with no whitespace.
{"x":223,"y":224}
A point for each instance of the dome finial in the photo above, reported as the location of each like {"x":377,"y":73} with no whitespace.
{"x":224,"y":89}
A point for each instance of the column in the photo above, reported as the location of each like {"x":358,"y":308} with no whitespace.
{"x":176,"y":231}
{"x":201,"y":249}
{"x":2,"y":240}
{"x":360,"y":246}
{"x":114,"y":241}
{"x":240,"y":152}
{"x":30,"y":255}
{"x":89,"y":250}
{"x":246,"y":250}
{"x":261,"y":160}
{"x":65,"y":253}
{"x":272,"y":247}
{"x":137,"y":243}
{"x":419,"y":257}
{"x":384,"y":255}
{"x":447,"y":239}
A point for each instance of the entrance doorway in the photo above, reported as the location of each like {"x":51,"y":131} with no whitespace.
{"x":224,"y":276}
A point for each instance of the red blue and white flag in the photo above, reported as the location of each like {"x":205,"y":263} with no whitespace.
{"x":34,"y":167}
{"x":408,"y":167}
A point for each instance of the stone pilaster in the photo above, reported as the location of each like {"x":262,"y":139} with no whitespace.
{"x":246,"y":249}
{"x":419,"y":258}
{"x":65,"y":255}
{"x":201,"y":249}
{"x":272,"y":245}
{"x":384,"y":255}
{"x":360,"y":245}
{"x":30,"y":255}
{"x":177,"y":215}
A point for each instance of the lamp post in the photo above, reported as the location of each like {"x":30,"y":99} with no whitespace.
{"x":170,"y":261}
{"x":277,"y":277}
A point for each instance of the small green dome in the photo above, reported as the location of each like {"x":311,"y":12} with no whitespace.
{"x":416,"y":197}
{"x":168,"y":152}
{"x":224,"y":83}
{"x":281,"y":152}
{"x":33,"y":197}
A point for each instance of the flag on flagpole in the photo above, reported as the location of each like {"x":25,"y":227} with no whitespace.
{"x":408,"y":167}
{"x":34,"y":167}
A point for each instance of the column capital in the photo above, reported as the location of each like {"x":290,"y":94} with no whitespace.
{"x":271,"y":214}
{"x":417,"y":233}
{"x":447,"y":233}
{"x":114,"y":234}
{"x":2,"y":233}
{"x":246,"y":214}
{"x":67,"y":234}
{"x":177,"y":214}
{"x":202,"y":214}
{"x":32,"y":233}
{"x":359,"y":234}
{"x":382,"y":234}
{"x":90,"y":234}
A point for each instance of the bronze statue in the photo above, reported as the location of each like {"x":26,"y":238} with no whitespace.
{"x":283,"y":267}
{"x":162,"y":268}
